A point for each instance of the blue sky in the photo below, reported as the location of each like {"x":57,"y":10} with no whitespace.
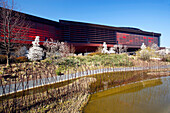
{"x":149,"y":15}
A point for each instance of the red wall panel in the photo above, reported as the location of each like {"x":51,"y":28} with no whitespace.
{"x":135,"y":39}
{"x":37,"y":29}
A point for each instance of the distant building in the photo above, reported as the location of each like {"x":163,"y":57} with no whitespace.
{"x":86,"y":37}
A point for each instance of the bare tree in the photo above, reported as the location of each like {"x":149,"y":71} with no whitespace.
{"x":120,"y":48}
{"x":72,"y":49}
{"x":154,"y":47}
{"x":53,"y":48}
{"x":21,"y":51}
{"x":99,"y":49}
{"x":13,"y":27}
{"x":66,"y":50}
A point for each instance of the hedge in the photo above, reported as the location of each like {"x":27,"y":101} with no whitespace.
{"x":13,"y":59}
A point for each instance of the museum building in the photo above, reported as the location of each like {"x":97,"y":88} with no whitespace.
{"x":86,"y":37}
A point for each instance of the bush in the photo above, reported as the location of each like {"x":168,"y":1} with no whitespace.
{"x":95,"y":53}
{"x":68,"y":61}
{"x":3,"y":59}
{"x":109,"y":60}
{"x":92,"y":61}
{"x":47,"y":60}
{"x":13,"y":59}
{"x":145,"y":54}
{"x":58,"y":72}
{"x":22,"y":59}
{"x":99,"y":49}
{"x":166,"y":58}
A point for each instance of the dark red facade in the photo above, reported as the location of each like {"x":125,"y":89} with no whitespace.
{"x":44,"y":28}
{"x":87,"y":37}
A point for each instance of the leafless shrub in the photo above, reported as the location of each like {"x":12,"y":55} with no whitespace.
{"x":99,"y":49}
{"x":51,"y":47}
{"x":62,"y":49}
{"x":22,"y":51}
{"x":145,"y":54}
{"x":154,"y":47}
{"x":120,"y":48}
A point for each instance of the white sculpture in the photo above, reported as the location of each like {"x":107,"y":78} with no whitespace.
{"x":143,"y":46}
{"x":111,"y":50}
{"x":36,"y":42}
{"x":104,"y":50}
{"x":35,"y":52}
{"x":104,"y":45}
{"x":167,"y":50}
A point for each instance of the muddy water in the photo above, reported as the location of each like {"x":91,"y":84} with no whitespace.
{"x":151,"y":96}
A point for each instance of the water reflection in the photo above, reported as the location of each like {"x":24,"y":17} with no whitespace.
{"x":151,"y":96}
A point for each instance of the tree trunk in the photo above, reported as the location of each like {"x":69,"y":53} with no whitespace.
{"x":8,"y":59}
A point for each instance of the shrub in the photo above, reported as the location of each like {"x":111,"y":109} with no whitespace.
{"x":22,"y":59}
{"x":68,"y":61}
{"x":96,"y":86}
{"x":95,"y":53}
{"x":3,"y":59}
{"x":99,"y":49}
{"x":47,"y":60}
{"x":145,"y":54}
{"x":166,"y":58}
{"x":58,"y":72}
{"x":60,"y":69}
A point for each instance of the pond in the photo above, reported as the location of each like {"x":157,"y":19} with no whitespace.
{"x":150,"y":96}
